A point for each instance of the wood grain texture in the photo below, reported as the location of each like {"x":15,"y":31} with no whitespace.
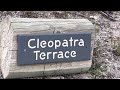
{"x":40,"y":26}
{"x":5,"y":37}
{"x":0,"y":42}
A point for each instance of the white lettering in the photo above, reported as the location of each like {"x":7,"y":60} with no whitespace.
{"x":43,"y":44}
{"x":42,"y":56}
{"x":71,"y":41}
{"x":81,"y":43}
{"x":57,"y":44}
{"x":54,"y":54}
{"x":60,"y":55}
{"x":52,"y":43}
{"x":36,"y":54}
{"x":73,"y":54}
{"x":37,"y":43}
{"x":75,"y":41}
{"x":48,"y":53}
{"x":65,"y":43}
{"x":66,"y":54}
{"x":32,"y":47}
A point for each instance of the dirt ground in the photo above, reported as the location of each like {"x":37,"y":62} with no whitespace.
{"x":106,"y":58}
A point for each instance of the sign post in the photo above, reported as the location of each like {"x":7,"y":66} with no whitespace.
{"x":35,"y":49}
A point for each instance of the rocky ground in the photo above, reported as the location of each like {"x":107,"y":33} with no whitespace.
{"x":106,"y":58}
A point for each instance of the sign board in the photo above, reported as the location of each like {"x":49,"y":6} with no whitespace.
{"x":53,"y":48}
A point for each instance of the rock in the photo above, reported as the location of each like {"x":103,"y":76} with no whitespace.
{"x":55,"y":77}
{"x":83,"y":76}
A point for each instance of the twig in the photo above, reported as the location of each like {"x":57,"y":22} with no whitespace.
{"x":106,"y":15}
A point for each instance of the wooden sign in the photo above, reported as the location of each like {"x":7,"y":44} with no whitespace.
{"x":39,"y":47}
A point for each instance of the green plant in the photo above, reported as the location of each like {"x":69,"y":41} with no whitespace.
{"x":118,"y":49}
{"x":95,"y":70}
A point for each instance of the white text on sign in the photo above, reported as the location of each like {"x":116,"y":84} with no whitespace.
{"x":56,"y":44}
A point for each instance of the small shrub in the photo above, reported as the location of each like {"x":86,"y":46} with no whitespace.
{"x":118,"y":49}
{"x":95,"y":70}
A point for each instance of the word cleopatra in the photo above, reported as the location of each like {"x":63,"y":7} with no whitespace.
{"x":56,"y":44}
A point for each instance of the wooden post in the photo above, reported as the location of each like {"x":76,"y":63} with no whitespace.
{"x":0,"y":43}
{"x":4,"y":25}
{"x":18,"y":26}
